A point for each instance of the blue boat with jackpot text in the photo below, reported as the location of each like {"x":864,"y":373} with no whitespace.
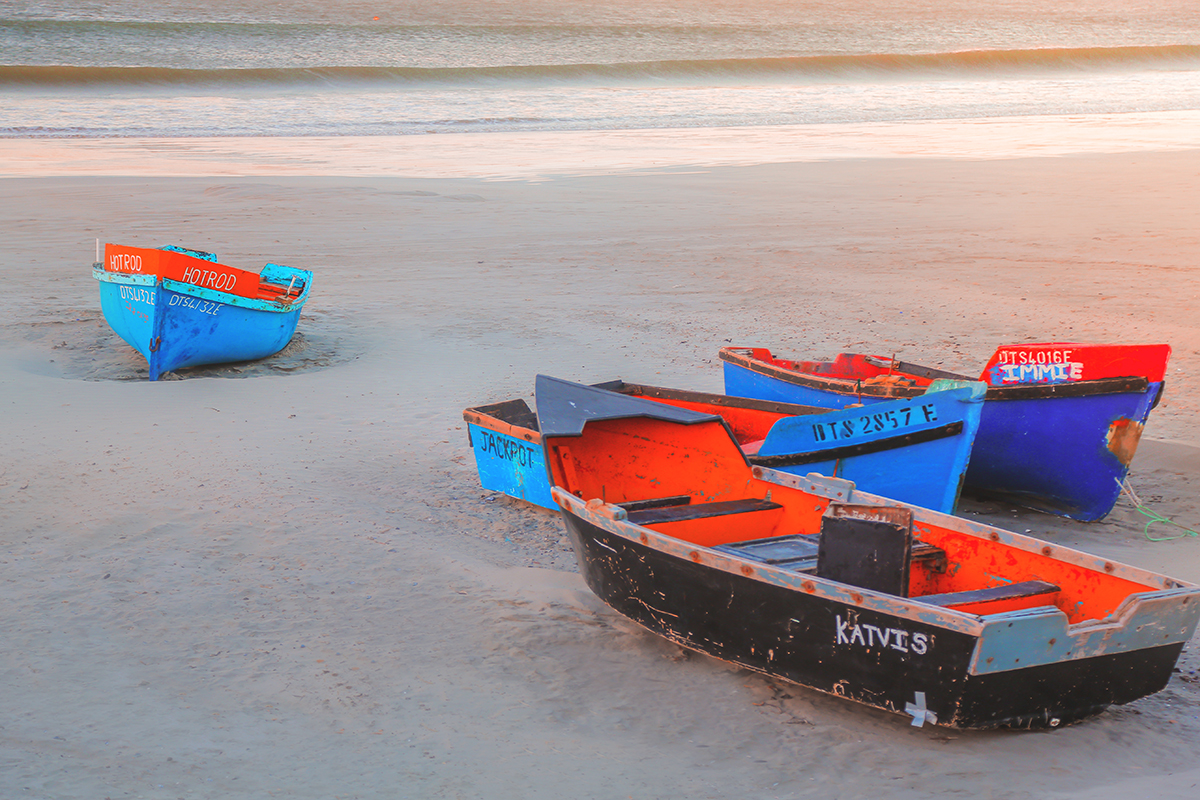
{"x":915,"y":450}
{"x":1061,"y":421}
{"x":181,"y":308}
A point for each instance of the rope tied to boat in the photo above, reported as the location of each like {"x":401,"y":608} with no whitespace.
{"x":1154,"y":516}
{"x":889,"y":380}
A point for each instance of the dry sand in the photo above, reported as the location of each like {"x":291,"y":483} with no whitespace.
{"x":283,"y":579}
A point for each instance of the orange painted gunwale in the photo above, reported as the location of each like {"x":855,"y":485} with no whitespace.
{"x":626,"y":460}
{"x":190,"y":270}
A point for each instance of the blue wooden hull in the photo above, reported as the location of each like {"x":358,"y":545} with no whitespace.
{"x":1063,"y":453}
{"x":176,"y":325}
{"x":913,"y":450}
{"x":511,"y":465}
{"x":926,"y":470}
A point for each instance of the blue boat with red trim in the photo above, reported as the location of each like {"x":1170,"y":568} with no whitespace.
{"x":912,"y":449}
{"x":181,"y":308}
{"x":1061,"y":421}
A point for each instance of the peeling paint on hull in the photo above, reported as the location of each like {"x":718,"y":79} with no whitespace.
{"x":1123,"y":437}
{"x":793,"y":635}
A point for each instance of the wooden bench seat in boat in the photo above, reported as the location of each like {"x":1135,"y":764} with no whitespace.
{"x":997,"y":599}
{"x":707,"y":524}
{"x":798,"y":552}
{"x":679,"y":509}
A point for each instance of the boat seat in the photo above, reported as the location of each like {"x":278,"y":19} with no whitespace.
{"x":997,"y":599}
{"x":644,"y":514}
{"x":798,"y":552}
{"x":657,"y":502}
{"x":931,"y":556}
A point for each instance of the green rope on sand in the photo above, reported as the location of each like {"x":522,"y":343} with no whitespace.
{"x":1154,"y":516}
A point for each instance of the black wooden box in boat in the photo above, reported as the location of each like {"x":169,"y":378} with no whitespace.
{"x":673,"y":528}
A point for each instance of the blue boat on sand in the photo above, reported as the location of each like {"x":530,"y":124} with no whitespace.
{"x":914,"y":450}
{"x":1060,"y":425}
{"x":180,"y":308}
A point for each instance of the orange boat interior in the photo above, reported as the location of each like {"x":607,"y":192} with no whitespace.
{"x":869,"y":370}
{"x":692,"y":483}
{"x":749,"y":426}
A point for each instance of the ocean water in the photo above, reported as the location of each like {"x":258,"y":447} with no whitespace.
{"x":218,"y":68}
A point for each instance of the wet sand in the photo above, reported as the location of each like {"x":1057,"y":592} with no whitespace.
{"x":283,"y":579}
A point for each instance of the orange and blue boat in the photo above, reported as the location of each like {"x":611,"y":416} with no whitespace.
{"x":1061,"y":421}
{"x":181,"y":308}
{"x":912,"y":449}
{"x":812,"y":580}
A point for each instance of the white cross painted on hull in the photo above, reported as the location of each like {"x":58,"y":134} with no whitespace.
{"x":920,"y":713}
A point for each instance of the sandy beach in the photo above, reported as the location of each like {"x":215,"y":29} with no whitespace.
{"x":283,"y":579}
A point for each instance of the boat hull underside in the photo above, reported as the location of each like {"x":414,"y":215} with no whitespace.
{"x":1066,"y":456}
{"x":173,"y":330}
{"x":822,"y":644}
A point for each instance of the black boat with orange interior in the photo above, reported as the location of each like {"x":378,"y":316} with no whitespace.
{"x":807,"y":579}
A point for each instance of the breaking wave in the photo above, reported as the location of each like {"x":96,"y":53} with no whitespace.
{"x":812,"y":69}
